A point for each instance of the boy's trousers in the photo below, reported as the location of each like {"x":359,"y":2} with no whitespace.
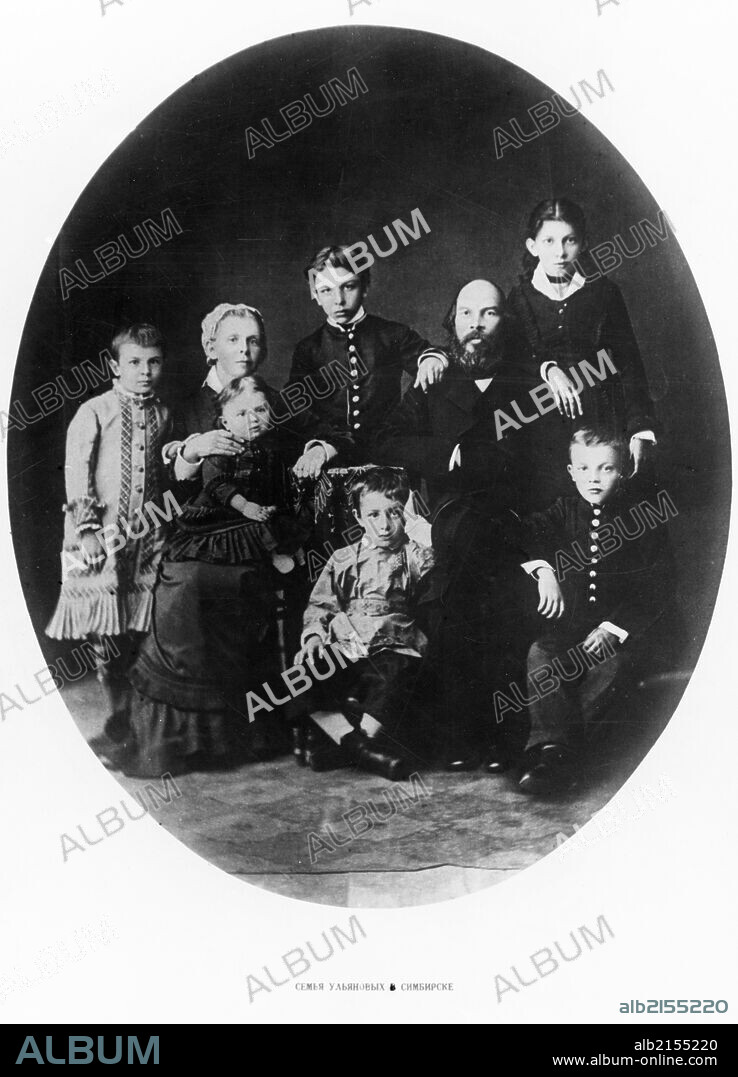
{"x":571,"y":692}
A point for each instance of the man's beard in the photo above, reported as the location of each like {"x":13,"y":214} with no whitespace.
{"x":482,"y":358}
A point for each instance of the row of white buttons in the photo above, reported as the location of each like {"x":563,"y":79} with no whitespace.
{"x":138,"y":488}
{"x":354,"y":373}
{"x":593,"y":560}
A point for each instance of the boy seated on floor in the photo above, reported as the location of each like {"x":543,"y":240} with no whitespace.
{"x":368,"y":596}
{"x":605,"y":602}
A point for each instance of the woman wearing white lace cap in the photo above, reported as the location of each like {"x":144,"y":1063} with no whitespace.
{"x":234,"y":342}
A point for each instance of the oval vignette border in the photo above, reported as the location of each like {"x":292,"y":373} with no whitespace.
{"x":254,"y":189}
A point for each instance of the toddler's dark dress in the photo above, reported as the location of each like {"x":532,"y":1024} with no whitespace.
{"x":211,"y":530}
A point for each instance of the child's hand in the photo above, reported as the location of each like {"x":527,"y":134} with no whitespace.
{"x":551,"y":600}
{"x":252,"y":511}
{"x":311,"y":463}
{"x":311,"y":650}
{"x":599,"y":641}
{"x":430,"y":372}
{"x":93,"y":550}
{"x":564,"y":392}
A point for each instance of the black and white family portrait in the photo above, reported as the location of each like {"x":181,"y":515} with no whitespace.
{"x":369,"y":466}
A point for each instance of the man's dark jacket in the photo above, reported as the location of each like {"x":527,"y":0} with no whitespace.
{"x":422,"y":432}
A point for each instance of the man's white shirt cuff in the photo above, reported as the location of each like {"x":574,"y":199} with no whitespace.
{"x":433,"y":353}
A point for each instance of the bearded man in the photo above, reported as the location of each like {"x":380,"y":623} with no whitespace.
{"x":476,"y":471}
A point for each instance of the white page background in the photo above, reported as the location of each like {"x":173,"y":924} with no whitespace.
{"x":187,"y":935}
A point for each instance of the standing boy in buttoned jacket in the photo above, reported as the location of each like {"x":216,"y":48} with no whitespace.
{"x":604,"y":580}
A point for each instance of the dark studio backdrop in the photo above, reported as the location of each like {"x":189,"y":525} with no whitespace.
{"x":422,"y":136}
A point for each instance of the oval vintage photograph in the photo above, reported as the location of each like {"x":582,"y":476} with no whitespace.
{"x":369,"y":468}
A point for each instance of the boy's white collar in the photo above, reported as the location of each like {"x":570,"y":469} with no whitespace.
{"x":358,"y":317}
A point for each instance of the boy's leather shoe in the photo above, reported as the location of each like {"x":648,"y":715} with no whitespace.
{"x":323,"y":754}
{"x":371,"y":756}
{"x":547,"y":770}
{"x":353,"y":711}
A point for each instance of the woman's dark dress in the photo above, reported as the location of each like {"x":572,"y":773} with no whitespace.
{"x":569,"y":332}
{"x":213,"y":634}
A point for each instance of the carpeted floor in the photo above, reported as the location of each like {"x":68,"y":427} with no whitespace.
{"x":411,"y":843}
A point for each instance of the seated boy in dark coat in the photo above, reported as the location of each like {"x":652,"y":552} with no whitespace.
{"x":603,"y":567}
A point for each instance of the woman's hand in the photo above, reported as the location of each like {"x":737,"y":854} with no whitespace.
{"x":93,"y":550}
{"x":252,"y":511}
{"x":311,"y":463}
{"x":551,"y":600}
{"x":564,"y":392}
{"x":214,"y":443}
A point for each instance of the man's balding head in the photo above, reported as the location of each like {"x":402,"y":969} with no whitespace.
{"x":475,"y":323}
{"x":480,"y":293}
